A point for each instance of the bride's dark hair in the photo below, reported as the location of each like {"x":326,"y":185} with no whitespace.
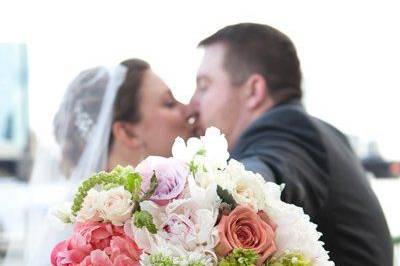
{"x":81,"y":105}
{"x":126,"y":106}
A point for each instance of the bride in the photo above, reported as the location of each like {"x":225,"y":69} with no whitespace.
{"x":109,"y":116}
{"x":117,"y":116}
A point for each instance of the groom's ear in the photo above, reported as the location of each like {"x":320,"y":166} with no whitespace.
{"x":124,"y":132}
{"x":256,"y":90}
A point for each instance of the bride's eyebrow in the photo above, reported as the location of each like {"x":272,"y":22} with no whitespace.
{"x":169,"y":93}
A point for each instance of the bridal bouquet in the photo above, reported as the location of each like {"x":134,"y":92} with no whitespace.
{"x":195,"y":208}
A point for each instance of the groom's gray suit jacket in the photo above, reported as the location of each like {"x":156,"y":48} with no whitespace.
{"x":322,"y":175}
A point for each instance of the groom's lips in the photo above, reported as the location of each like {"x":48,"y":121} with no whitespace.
{"x":198,"y":130}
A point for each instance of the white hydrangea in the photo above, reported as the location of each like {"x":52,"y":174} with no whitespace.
{"x":295,"y":232}
{"x":208,"y":153}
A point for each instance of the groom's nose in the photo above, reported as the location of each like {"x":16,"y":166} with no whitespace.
{"x":194,"y":104}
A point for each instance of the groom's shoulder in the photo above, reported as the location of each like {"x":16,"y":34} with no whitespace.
{"x":294,"y":118}
{"x":289,"y":127}
{"x":290,"y":118}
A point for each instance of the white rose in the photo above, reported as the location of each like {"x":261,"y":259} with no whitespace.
{"x":116,"y":205}
{"x":91,"y":210}
{"x":246,"y":187}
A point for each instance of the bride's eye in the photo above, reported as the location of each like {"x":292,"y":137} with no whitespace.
{"x":171,"y":103}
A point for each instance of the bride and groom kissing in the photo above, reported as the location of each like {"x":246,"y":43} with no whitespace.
{"x":248,"y":86}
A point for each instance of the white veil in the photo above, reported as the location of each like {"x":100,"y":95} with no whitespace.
{"x":82,"y":130}
{"x":92,"y":115}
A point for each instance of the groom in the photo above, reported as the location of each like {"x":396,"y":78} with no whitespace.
{"x":248,"y":85}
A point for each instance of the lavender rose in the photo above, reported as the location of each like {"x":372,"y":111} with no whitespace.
{"x":171,"y":176}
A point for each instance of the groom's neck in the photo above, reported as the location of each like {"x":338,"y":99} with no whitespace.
{"x":244,"y":121}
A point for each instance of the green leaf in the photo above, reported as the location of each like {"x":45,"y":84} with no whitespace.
{"x":289,"y":259}
{"x":226,"y":197}
{"x":152,"y":187}
{"x":119,"y":176}
{"x":108,"y":180}
{"x":133,"y":184}
{"x":144,"y":219}
{"x":240,"y":257}
{"x":201,"y":152}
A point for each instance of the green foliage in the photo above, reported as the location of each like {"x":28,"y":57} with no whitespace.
{"x":152,"y":187}
{"x":117,"y":177}
{"x":226,"y":197}
{"x":193,"y":168}
{"x":144,"y":219}
{"x":196,"y":263}
{"x":161,"y":260}
{"x":131,"y":181}
{"x":289,"y":259}
{"x":240,"y":257}
{"x":133,"y":185}
{"x":201,"y":152}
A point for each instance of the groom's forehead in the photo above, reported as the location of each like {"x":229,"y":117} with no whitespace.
{"x":214,"y":53}
{"x":212,"y":62}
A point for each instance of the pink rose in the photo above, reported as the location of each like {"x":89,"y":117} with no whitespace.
{"x":96,"y":244}
{"x":244,"y":228}
{"x":171,"y":176}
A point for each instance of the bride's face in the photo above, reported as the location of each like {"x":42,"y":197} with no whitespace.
{"x":162,"y":117}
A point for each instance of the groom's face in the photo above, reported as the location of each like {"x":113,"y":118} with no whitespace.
{"x":216,"y":101}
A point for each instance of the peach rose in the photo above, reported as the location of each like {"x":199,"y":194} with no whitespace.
{"x":244,"y":228}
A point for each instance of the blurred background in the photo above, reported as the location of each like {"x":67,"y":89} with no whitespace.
{"x":349,"y":53}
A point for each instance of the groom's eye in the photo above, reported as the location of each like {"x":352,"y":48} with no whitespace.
{"x":202,"y":89}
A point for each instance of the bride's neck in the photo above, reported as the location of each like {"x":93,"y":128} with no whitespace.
{"x":120,"y":155}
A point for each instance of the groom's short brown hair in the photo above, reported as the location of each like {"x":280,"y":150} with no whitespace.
{"x":256,"y":48}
